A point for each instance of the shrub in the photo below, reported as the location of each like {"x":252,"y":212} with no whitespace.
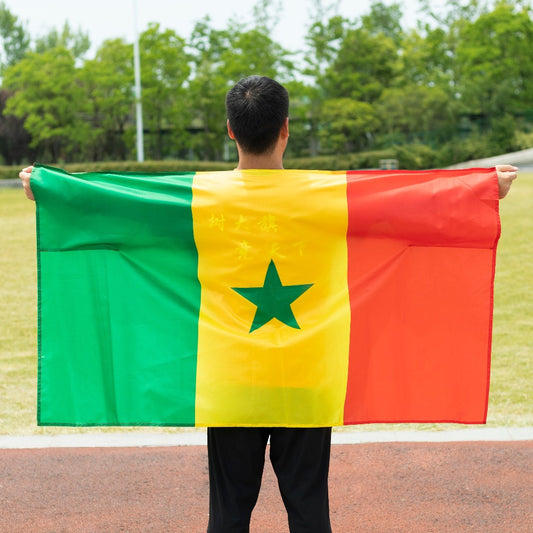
{"x":131,"y":166}
{"x":416,"y":157}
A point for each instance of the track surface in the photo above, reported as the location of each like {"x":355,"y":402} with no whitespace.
{"x":395,"y":487}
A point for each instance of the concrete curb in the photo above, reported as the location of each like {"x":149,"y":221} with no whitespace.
{"x":522,"y":159}
{"x":198,"y":438}
{"x":11,"y":183}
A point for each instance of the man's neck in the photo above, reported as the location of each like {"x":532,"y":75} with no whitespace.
{"x":269,"y":161}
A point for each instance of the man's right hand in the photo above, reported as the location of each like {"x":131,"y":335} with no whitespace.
{"x":25,"y":175}
{"x":506,"y":175}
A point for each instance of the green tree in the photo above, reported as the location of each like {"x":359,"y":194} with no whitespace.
{"x":384,"y":19}
{"x":107,"y":80}
{"x":49,"y":98}
{"x":164,"y":71}
{"x":14,"y":37}
{"x":220,"y":59}
{"x":14,"y":139}
{"x":254,"y":51}
{"x":421,"y":103}
{"x":416,"y":113}
{"x":322,"y":41}
{"x":364,"y":66}
{"x":77,"y":42}
{"x":493,"y":64}
{"x":266,"y":14}
{"x":452,"y":14}
{"x":304,"y":139}
{"x":349,"y":125}
{"x":495,"y":58}
{"x":440,"y":42}
{"x":426,"y":59}
{"x":207,"y":89}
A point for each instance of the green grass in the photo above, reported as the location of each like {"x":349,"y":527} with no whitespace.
{"x":512,"y":363}
{"x":512,"y":372}
{"x":18,"y":297}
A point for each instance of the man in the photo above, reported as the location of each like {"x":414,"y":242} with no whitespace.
{"x":257,"y":110}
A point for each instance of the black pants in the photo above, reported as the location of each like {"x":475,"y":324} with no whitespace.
{"x":300,"y":458}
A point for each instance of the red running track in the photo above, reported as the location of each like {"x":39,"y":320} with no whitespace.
{"x":395,"y":487}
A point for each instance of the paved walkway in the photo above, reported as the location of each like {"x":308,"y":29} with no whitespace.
{"x":482,"y":486}
{"x":197,"y":437}
{"x":522,"y":159}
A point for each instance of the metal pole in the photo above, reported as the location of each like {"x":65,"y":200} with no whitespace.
{"x":138,"y":102}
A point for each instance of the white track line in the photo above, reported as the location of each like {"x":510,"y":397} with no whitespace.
{"x":198,"y":438}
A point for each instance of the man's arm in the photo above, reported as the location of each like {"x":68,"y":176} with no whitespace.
{"x":506,"y":175}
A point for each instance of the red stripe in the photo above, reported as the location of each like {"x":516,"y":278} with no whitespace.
{"x":421,"y":251}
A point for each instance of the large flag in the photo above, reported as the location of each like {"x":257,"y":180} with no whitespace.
{"x":265,"y":297}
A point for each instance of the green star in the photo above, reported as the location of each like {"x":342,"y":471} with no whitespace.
{"x":273,"y":300}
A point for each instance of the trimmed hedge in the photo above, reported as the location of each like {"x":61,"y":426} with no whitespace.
{"x":129,"y":166}
{"x":354,"y":161}
{"x":342,"y":162}
{"x":9,"y":173}
{"x":412,"y":157}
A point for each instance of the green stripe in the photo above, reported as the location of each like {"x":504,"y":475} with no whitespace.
{"x":119,"y":298}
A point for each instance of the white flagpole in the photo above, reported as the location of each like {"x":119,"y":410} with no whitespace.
{"x":138,"y":103}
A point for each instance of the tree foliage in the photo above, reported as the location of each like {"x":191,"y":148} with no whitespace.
{"x":458,"y":83}
{"x":50,"y":103}
{"x":106,"y":81}
{"x":13,"y":36}
{"x":495,"y":61}
{"x":384,"y":19}
{"x":349,"y":126}
{"x":77,"y":42}
{"x":14,"y":139}
{"x":164,"y":70}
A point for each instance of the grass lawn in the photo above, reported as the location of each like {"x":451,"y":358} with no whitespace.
{"x":512,"y":372}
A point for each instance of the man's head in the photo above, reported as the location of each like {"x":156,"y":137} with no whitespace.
{"x":257,"y":108}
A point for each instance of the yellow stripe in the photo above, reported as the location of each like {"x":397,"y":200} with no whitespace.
{"x":276,"y":375}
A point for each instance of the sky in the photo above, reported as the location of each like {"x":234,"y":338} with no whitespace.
{"x":105,"y":19}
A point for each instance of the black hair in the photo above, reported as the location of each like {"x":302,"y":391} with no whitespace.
{"x":257,"y":107}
